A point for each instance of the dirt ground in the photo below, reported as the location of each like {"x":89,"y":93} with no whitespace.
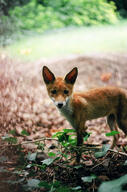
{"x":25,"y":105}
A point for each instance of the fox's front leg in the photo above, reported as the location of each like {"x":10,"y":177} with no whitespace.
{"x":81,"y":129}
{"x":79,"y":143}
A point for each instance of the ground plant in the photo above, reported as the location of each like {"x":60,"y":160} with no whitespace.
{"x":58,"y":157}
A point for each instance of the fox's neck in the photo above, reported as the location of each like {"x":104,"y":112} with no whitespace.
{"x":67,"y":111}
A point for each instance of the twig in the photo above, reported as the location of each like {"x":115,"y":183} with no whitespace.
{"x":85,"y":147}
{"x":36,"y":140}
{"x":121,"y":153}
{"x":27,"y":142}
{"x":98,"y":164}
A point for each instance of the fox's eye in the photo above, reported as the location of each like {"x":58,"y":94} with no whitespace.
{"x":53,"y":91}
{"x":66,"y":91}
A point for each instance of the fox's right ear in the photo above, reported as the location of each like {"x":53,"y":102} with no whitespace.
{"x":48,"y":76}
{"x":71,"y":76}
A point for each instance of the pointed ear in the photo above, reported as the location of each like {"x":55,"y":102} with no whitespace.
{"x":48,"y":76}
{"x":71,"y":76}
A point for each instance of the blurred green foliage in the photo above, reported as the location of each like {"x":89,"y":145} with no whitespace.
{"x":121,"y":7}
{"x":50,"y":14}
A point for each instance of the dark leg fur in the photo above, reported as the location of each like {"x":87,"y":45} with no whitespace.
{"x":122,"y":125}
{"x":111,"y":121}
{"x":122,"y":114}
{"x":79,"y":143}
{"x":112,"y":124}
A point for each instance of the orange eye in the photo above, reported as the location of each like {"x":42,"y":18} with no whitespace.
{"x":66,"y":91}
{"x":54,"y":91}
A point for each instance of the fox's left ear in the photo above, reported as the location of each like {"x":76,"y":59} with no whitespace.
{"x":71,"y":76}
{"x":48,"y":76}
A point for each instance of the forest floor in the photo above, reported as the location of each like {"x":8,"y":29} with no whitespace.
{"x":25,"y":106}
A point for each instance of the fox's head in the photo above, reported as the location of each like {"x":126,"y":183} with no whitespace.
{"x":59,"y":89}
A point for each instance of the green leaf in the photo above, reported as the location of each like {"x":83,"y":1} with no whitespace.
{"x":125,"y":163}
{"x":88,"y":179}
{"x":40,"y":145}
{"x":69,"y":130}
{"x":86,"y":136}
{"x":29,"y":166}
{"x":33,"y":183}
{"x":112,"y":133}
{"x":24,"y":132}
{"x":48,"y":161}
{"x":51,"y":154}
{"x":113,"y":186}
{"x":65,"y":155}
{"x":62,"y":189}
{"x":105,"y":148}
{"x":78,"y":166}
{"x":57,"y":158}
{"x":57,"y":134}
{"x":76,"y":188}
{"x":44,"y":184}
{"x":56,"y":184}
{"x":13,"y":132}
{"x":64,"y":132}
{"x":32,"y":156}
{"x":5,"y":137}
{"x":63,"y":137}
{"x":9,"y":139}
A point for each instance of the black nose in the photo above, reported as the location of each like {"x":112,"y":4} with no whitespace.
{"x":60,"y":105}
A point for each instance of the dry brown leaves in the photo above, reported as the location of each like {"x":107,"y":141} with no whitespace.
{"x":24,"y":103}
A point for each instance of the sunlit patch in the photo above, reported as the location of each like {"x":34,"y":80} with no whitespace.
{"x":3,"y":56}
{"x":25,"y":51}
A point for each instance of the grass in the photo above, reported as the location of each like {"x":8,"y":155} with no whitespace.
{"x":84,"y":40}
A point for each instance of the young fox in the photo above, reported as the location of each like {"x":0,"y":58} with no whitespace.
{"x":80,"y":107}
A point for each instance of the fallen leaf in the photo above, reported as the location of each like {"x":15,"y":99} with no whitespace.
{"x":106,"y":77}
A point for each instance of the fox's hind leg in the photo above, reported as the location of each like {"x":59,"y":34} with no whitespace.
{"x":123,"y":126}
{"x":122,"y":113}
{"x":122,"y":123}
{"x":111,"y":120}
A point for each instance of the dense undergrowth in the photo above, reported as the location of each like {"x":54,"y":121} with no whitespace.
{"x":57,"y":14}
{"x":46,"y":15}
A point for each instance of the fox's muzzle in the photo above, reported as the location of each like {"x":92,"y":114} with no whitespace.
{"x":60,"y":105}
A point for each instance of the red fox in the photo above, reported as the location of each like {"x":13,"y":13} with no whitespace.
{"x":79,"y":107}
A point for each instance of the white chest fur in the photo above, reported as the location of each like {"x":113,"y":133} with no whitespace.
{"x":67,"y":112}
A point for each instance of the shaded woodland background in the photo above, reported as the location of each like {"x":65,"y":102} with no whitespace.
{"x":60,"y":34}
